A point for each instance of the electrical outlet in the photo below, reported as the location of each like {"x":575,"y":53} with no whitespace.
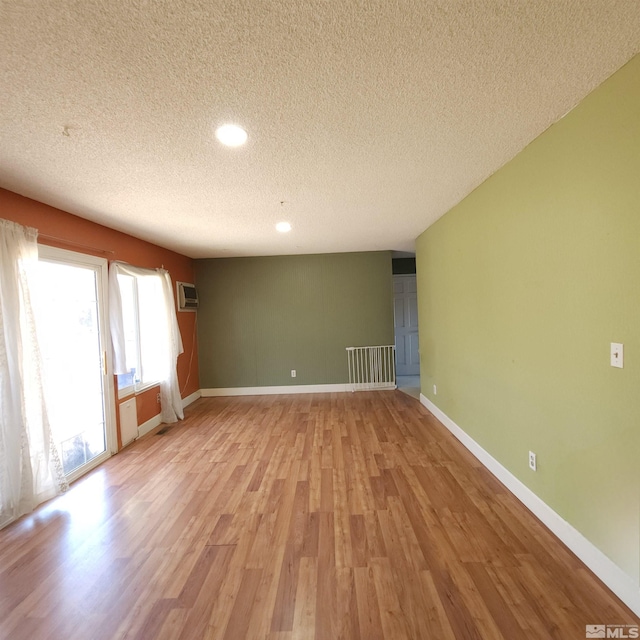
{"x":533,"y":463}
{"x":293,"y":373}
{"x":435,"y":390}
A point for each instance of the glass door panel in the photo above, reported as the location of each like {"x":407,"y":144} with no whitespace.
{"x":68,"y":312}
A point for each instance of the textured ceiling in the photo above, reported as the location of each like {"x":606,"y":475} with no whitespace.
{"x":369,"y":120}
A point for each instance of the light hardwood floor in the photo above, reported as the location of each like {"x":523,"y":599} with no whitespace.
{"x":310,"y":516}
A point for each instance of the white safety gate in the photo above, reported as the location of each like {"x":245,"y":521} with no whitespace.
{"x":372,"y":367}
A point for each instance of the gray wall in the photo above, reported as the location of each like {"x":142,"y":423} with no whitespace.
{"x":261,"y":317}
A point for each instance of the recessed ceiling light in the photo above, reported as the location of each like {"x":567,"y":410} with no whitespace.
{"x":231,"y":135}
{"x":283,"y":227}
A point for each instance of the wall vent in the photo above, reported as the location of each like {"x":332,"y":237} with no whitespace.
{"x":187,"y":296}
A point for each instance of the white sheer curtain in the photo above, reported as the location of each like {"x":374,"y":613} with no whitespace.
{"x":169,"y":347}
{"x":30,"y":467}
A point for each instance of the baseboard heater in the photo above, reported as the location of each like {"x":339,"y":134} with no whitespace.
{"x":128,"y":421}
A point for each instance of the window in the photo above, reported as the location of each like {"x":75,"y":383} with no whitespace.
{"x":144,"y":334}
{"x":144,"y":324}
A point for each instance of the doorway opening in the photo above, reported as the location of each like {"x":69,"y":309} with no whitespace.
{"x":405,"y":313}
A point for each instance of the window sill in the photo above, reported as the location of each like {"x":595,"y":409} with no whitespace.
{"x":130,"y":391}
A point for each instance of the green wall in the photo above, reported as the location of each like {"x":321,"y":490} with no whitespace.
{"x":522,"y":287}
{"x":261,"y":317}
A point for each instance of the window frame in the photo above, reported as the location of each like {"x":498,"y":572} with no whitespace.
{"x":136,"y":387}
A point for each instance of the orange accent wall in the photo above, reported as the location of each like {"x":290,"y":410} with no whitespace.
{"x":113,"y":245}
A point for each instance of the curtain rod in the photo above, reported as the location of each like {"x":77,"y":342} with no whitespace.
{"x":70,"y":243}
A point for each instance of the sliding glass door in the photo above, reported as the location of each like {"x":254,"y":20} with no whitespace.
{"x":71,"y":320}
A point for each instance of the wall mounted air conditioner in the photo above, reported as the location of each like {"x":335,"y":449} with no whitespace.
{"x":187,"y":296}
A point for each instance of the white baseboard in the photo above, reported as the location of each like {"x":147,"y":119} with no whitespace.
{"x":149,"y":425}
{"x":623,"y":585}
{"x":190,"y":398}
{"x":154,"y":422}
{"x":267,"y":391}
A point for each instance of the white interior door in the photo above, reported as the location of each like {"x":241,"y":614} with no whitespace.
{"x":405,"y":305}
{"x":71,"y":318}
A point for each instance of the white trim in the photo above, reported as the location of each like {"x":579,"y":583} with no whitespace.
{"x":267,"y":391}
{"x":141,"y":387}
{"x":623,"y":585}
{"x":191,"y":398}
{"x":125,"y":392}
{"x":85,"y":468}
{"x":154,"y":422}
{"x":149,"y":425}
{"x":136,"y":389}
{"x":55,"y":254}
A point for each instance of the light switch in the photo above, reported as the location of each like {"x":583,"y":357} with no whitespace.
{"x":617,"y":354}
